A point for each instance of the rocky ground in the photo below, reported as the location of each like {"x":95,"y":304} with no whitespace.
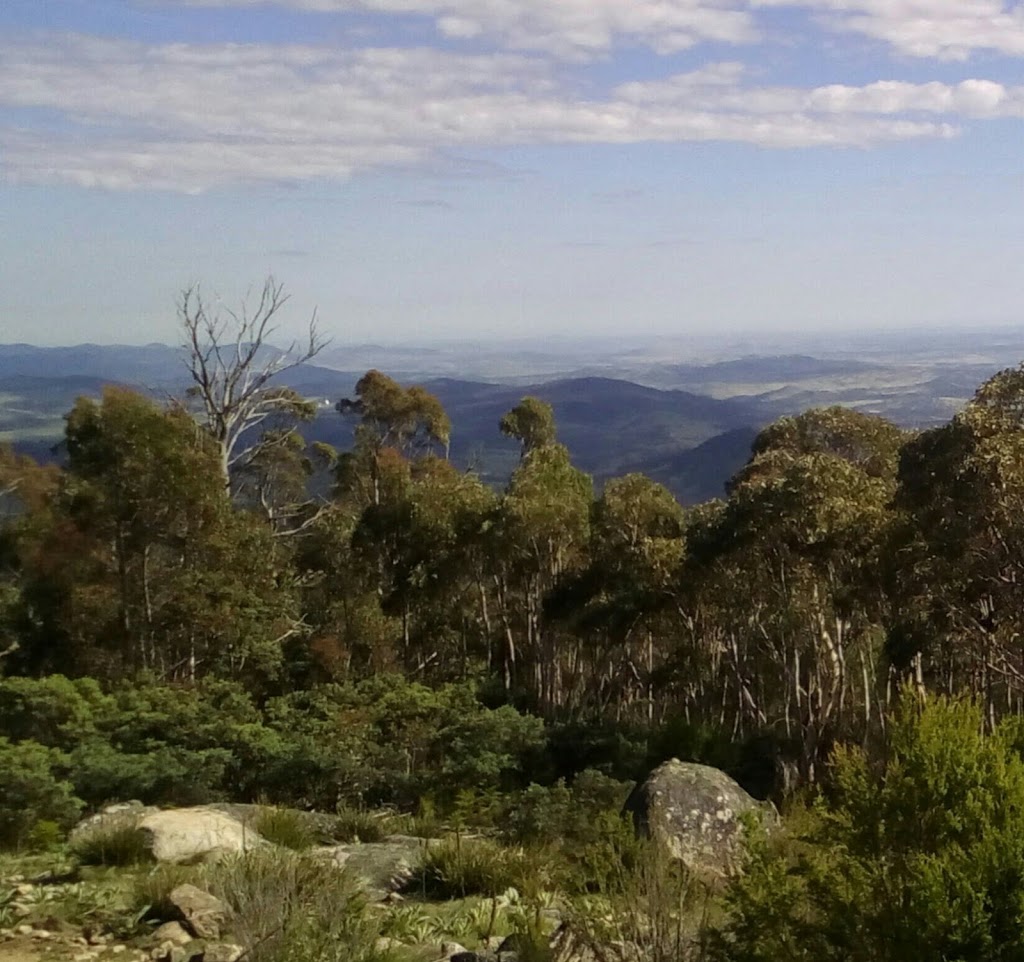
{"x":217,"y":883}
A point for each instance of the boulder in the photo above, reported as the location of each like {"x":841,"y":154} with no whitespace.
{"x":192,"y":834}
{"x":382,"y":868}
{"x":695,"y":813}
{"x":204,"y":914}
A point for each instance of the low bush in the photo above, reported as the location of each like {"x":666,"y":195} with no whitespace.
{"x":920,"y":857}
{"x":356,"y":825}
{"x":291,"y":907}
{"x":285,"y":828}
{"x":111,"y":845}
{"x":461,"y":867}
{"x":33,"y":789}
{"x":571,"y":815}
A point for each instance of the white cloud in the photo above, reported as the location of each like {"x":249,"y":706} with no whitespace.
{"x":945,"y":29}
{"x":190,"y":117}
{"x":568,"y":28}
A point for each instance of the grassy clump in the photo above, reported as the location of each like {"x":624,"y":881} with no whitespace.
{"x":653,"y":907}
{"x":285,"y":828}
{"x":120,"y":845}
{"x":461,"y":867}
{"x":287,"y":906}
{"x":358,"y":825}
{"x":151,"y":892}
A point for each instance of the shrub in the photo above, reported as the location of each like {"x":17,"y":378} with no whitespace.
{"x":356,"y":825}
{"x":285,"y":828}
{"x":461,"y":867}
{"x":111,"y":845}
{"x":573,"y":816}
{"x":921,"y":857}
{"x":32,"y":789}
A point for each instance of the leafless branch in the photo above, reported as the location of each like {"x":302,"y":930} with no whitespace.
{"x":225,"y":354}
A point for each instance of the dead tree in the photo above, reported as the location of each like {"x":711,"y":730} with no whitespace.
{"x":233,"y":368}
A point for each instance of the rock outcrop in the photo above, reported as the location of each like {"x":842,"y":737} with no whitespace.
{"x":381,"y":867}
{"x":696,"y":814}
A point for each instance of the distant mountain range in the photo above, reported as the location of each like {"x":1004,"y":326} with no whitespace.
{"x":687,"y":425}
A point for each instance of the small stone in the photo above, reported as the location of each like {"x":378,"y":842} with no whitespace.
{"x":448,"y":949}
{"x":203,"y":913}
{"x":222,"y":952}
{"x":173,"y":932}
{"x":118,"y":949}
{"x":24,"y":888}
{"x":42,"y":935}
{"x":24,"y":930}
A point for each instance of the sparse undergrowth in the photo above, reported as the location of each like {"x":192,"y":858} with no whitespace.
{"x":287,"y":906}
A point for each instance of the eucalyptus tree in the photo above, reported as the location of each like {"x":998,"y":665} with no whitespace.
{"x":395,"y":423}
{"x":531,"y":422}
{"x":783,"y":582}
{"x":142,"y":562}
{"x":540,"y":532}
{"x":620,"y":606}
{"x":959,"y":572}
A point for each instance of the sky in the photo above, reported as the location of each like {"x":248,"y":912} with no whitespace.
{"x":433,"y":170}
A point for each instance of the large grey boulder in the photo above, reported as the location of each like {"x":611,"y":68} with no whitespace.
{"x":695,"y":813}
{"x":194,"y":834}
{"x":380,"y":867}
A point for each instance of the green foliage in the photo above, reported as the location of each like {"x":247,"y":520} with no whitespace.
{"x":33,"y":788}
{"x":571,"y":815}
{"x":388,"y":740}
{"x":919,"y":858}
{"x":531,"y":422}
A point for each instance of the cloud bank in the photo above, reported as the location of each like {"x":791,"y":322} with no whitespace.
{"x":190,"y":117}
{"x":572,"y":29}
{"x":120,"y":114}
{"x":944,"y":29}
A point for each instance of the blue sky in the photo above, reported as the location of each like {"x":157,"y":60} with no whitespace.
{"x":441,"y":169}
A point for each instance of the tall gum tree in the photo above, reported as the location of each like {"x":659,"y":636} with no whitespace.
{"x":959,"y":565}
{"x":541,"y":531}
{"x":783,"y":580}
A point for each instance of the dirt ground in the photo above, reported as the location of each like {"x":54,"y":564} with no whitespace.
{"x":19,"y":951}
